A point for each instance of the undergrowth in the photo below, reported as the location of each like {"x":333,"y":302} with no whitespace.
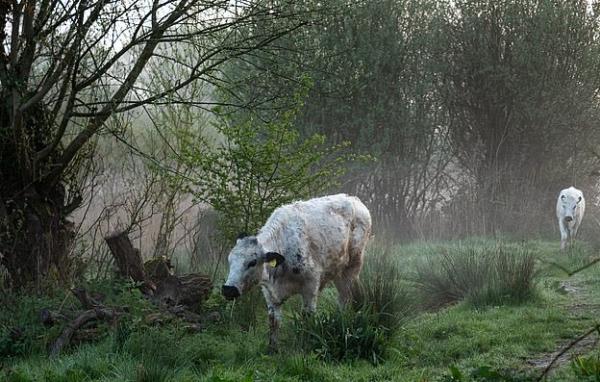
{"x":384,"y":326}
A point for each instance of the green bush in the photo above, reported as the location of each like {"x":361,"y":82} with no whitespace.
{"x":480,"y":276}
{"x":258,"y":166}
{"x":382,"y":291}
{"x":21,"y":331}
{"x":483,"y":374}
{"x":153,"y":372}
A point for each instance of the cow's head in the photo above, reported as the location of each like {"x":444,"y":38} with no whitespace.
{"x":569,"y":205}
{"x":247,"y":261}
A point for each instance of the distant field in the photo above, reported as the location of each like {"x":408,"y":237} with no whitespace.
{"x":510,"y":342}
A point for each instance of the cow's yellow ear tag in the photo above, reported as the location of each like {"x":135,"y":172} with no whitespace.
{"x":273,"y":263}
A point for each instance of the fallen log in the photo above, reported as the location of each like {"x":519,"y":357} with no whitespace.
{"x":189,"y":289}
{"x":50,"y":318}
{"x":156,"y":275}
{"x":87,"y":301}
{"x":86,"y":335}
{"x":89,"y":315}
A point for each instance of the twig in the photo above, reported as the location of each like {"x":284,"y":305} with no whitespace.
{"x":567,"y":271}
{"x":566,"y":349}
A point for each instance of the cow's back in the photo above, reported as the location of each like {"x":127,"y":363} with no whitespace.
{"x":337,"y":228}
{"x":325,"y":234}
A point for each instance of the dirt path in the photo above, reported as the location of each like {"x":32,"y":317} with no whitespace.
{"x":577,"y":306}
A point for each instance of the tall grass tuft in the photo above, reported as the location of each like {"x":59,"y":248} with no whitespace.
{"x":382,"y":290}
{"x":587,"y":367}
{"x":479,"y":276}
{"x":342,"y":334}
{"x":364,"y":329}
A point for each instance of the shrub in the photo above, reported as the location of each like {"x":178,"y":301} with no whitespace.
{"x":21,"y":331}
{"x":382,"y":291}
{"x":259,"y":166}
{"x":487,"y":276}
{"x":483,"y":374}
{"x":153,"y":372}
{"x":363,"y":330}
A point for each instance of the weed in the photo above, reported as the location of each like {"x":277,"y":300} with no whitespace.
{"x":587,"y":368}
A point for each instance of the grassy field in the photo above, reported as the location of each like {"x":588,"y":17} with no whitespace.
{"x":490,"y":335}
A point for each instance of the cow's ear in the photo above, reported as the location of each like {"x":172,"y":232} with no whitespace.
{"x":274,"y":258}
{"x":241,"y":235}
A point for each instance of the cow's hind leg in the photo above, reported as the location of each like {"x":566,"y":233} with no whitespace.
{"x":349,"y":276}
{"x":344,"y":288}
{"x":346,"y":281}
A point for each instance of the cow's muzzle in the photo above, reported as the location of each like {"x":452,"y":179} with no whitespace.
{"x":230,"y":292}
{"x":568,"y":219}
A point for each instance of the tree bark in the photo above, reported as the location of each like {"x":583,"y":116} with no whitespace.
{"x":35,"y":237}
{"x":156,"y":275}
{"x":128,"y":258}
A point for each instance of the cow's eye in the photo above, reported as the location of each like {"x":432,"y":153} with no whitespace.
{"x":252,"y":264}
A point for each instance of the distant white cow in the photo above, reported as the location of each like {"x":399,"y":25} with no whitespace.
{"x":570,"y":208}
{"x":302,"y":247}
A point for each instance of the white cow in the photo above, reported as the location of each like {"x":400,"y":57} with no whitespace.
{"x":570,"y":208}
{"x":301,"y":247}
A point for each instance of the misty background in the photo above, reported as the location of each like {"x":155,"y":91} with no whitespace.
{"x":447,"y":119}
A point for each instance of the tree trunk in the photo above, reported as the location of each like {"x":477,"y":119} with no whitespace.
{"x":36,"y":238}
{"x":156,"y":275}
{"x":129,"y":260}
{"x":35,"y":234}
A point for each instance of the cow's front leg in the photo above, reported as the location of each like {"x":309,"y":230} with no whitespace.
{"x":564,"y":234}
{"x":573,"y":233}
{"x":274,"y":324}
{"x":310,"y":296}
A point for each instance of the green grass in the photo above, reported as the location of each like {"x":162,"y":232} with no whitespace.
{"x":468,"y":338}
{"x":481,"y":276}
